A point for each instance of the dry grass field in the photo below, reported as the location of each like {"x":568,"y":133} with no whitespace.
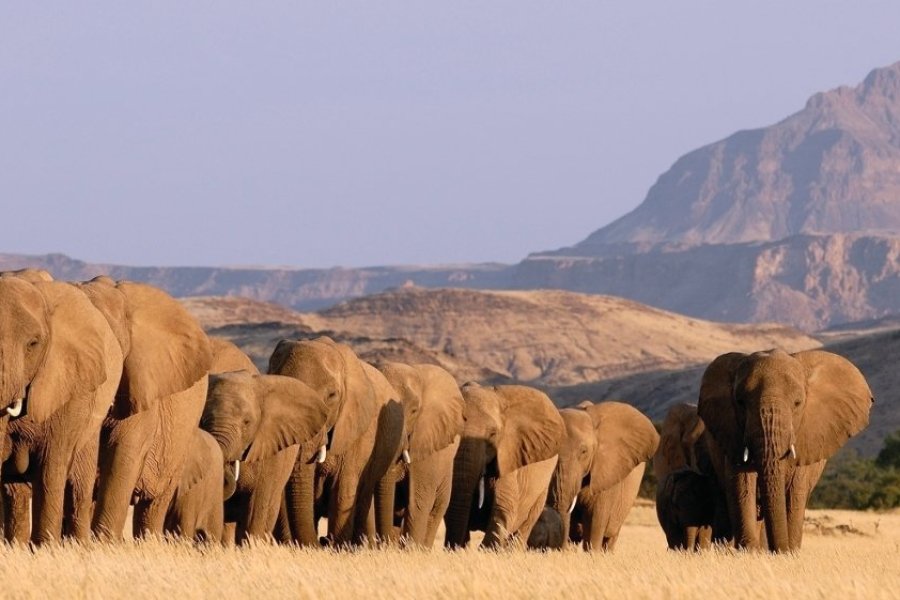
{"x":845,"y":555}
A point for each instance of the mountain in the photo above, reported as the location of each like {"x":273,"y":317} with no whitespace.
{"x":833,"y":167}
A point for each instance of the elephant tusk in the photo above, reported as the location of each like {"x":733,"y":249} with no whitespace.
{"x":574,"y":501}
{"x":793,"y":452}
{"x":15,"y":409}
{"x":406,"y":457}
{"x":237,"y":470}
{"x":481,"y":492}
{"x":746,"y":454}
{"x":323,"y":452}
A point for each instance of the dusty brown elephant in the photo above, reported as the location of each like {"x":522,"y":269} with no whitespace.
{"x":60,"y":366}
{"x":607,"y":444}
{"x":690,"y":505}
{"x":197,"y":510}
{"x":549,"y":531}
{"x":364,"y":428}
{"x":259,"y":423}
{"x":777,"y":418}
{"x":506,"y":457}
{"x":433,"y":416}
{"x":147,"y":433}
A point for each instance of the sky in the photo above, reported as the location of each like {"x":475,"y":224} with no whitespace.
{"x":319,"y":134}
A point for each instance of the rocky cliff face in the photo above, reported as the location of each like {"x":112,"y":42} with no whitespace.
{"x":833,"y":167}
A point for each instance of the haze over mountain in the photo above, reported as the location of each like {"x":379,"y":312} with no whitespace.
{"x":797,"y":223}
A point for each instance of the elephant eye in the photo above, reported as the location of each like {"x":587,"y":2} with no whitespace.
{"x":33,"y":343}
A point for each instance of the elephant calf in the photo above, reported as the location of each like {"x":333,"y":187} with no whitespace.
{"x":197,"y":509}
{"x":685,"y":506}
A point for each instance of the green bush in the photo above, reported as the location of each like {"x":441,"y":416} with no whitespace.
{"x":857,"y":483}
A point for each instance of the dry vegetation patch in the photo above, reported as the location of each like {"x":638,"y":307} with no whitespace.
{"x":840,"y":566}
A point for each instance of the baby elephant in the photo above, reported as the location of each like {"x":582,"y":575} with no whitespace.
{"x":549,"y":531}
{"x":685,"y":505}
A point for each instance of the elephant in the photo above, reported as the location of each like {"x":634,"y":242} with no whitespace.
{"x":433,"y":420}
{"x":508,"y":452}
{"x":150,"y":426}
{"x":601,"y":463}
{"x":197,"y":510}
{"x":258,"y":423}
{"x":686,"y":509}
{"x":776,"y":418}
{"x":60,"y":366}
{"x":362,"y":433}
{"x":690,"y":505}
{"x":549,"y":531}
{"x":226,"y":356}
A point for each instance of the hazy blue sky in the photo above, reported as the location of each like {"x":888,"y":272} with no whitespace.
{"x":333,"y":133}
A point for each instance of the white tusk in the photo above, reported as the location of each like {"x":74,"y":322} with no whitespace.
{"x":746,"y":454}
{"x":237,"y":470}
{"x":571,"y":508}
{"x":323,"y":452}
{"x":793,"y":452}
{"x":15,"y":409}
{"x":406,"y":457}
{"x":481,"y":492}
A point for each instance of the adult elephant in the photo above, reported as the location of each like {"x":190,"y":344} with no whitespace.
{"x":690,"y":505}
{"x":433,"y":416}
{"x":258,"y":423}
{"x":601,"y":464}
{"x":362,"y":431}
{"x":506,"y":457}
{"x":776,"y":418}
{"x":60,"y":365}
{"x":151,"y":424}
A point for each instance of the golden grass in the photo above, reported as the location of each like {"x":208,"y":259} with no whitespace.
{"x":845,"y":555}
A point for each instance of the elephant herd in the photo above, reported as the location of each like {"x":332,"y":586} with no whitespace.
{"x":113,"y":396}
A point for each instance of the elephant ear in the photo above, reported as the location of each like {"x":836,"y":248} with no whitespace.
{"x":716,"y":404}
{"x":838,"y":402}
{"x":359,"y":407}
{"x":169,"y":351}
{"x":228,"y":357}
{"x":625,"y":439}
{"x":441,"y":415}
{"x":532,"y":427}
{"x":75,"y":363}
{"x":291,"y":413}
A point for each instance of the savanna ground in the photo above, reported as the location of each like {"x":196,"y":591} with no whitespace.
{"x":845,"y":555}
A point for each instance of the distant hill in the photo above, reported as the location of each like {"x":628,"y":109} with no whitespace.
{"x":551,"y":337}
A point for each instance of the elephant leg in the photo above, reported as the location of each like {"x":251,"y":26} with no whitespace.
{"x":299,"y":503}
{"x":801,"y":485}
{"x":150,"y":515}
{"x":419,"y":512}
{"x":81,"y":488}
{"x":16,"y":507}
{"x":49,"y":493}
{"x":229,"y":534}
{"x":282,"y":531}
{"x":125,"y":445}
{"x":265,"y":499}
{"x":342,"y":507}
{"x":704,"y":537}
{"x":742,"y":507}
{"x":598,"y":517}
{"x":690,"y":538}
{"x":507,"y":494}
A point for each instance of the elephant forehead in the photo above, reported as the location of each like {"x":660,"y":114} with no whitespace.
{"x":772,"y":372}
{"x":482,"y":405}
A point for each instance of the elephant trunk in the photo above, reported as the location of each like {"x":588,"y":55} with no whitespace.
{"x":771,"y":444}
{"x":231,"y":477}
{"x":561,"y":497}
{"x":384,"y":506}
{"x":774,"y":509}
{"x":300,"y":503}
{"x":468,"y":468}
